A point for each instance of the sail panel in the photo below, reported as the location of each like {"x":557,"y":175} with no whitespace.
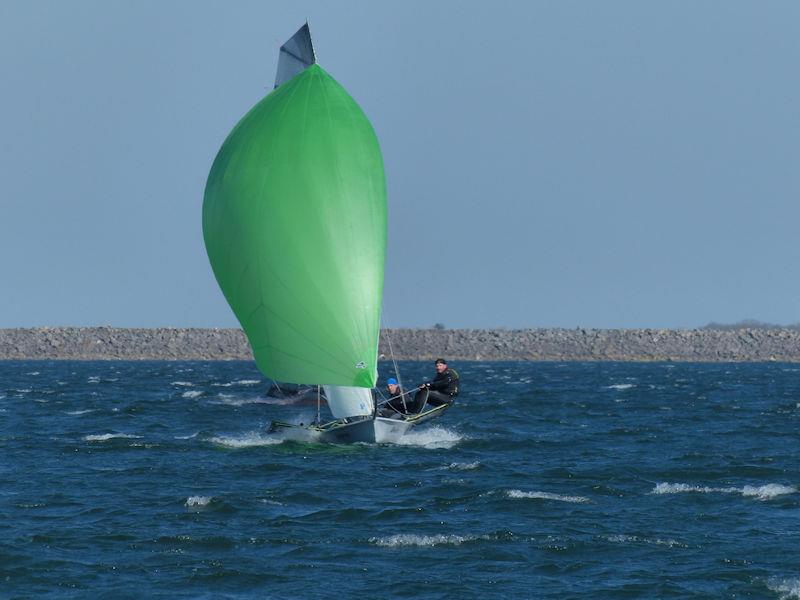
{"x":294,"y":221}
{"x":349,"y":401}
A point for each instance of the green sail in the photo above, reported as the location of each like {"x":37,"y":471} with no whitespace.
{"x":294,"y":222}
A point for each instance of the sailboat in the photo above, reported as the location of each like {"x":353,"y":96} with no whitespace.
{"x":294,"y":224}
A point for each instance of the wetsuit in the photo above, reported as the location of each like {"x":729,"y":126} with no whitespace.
{"x":442,"y":390}
{"x":396,"y":404}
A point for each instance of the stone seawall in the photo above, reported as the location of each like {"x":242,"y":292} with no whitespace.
{"x":697,"y":345}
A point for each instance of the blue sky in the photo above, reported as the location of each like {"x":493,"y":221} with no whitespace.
{"x":614,"y":164}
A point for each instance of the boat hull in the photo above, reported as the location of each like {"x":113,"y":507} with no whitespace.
{"x":378,"y":430}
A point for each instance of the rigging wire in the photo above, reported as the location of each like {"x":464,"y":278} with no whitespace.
{"x":391,"y":354}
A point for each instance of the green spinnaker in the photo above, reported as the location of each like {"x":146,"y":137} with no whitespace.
{"x":294,"y":222}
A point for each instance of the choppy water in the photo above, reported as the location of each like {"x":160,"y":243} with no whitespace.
{"x":600,"y":480}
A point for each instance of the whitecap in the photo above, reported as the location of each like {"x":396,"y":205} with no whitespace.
{"x":80,"y":412}
{"x":621,"y":386}
{"x":238,"y":382}
{"x":545,"y":496}
{"x":762,"y":492}
{"x":33,"y":373}
{"x":635,"y":539}
{"x":187,"y":437}
{"x":462,"y":466}
{"x":433,"y":438}
{"x":183,"y":384}
{"x":198,"y":501}
{"x":104,"y":437}
{"x":21,"y":390}
{"x":192,"y":394}
{"x":788,"y":589}
{"x":411,"y":539}
{"x":678,"y":488}
{"x":247,"y":440}
{"x":93,"y":379}
{"x":766,"y":492}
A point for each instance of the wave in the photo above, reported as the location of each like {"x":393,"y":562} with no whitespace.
{"x":621,"y":386}
{"x":635,"y":539}
{"x":238,"y":382}
{"x":545,"y":496}
{"x":104,"y":437}
{"x":247,"y":440}
{"x":412,"y":539}
{"x":192,"y":394}
{"x":771,"y":490}
{"x":183,"y":383}
{"x":187,"y":437}
{"x":788,"y":589}
{"x":198,"y":501}
{"x":460,"y":466}
{"x":231,"y":400}
{"x":433,"y":438}
{"x":762,"y":492}
{"x":33,"y":373}
{"x":80,"y":412}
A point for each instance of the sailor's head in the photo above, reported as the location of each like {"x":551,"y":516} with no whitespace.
{"x":391,"y":383}
{"x":441,"y":365}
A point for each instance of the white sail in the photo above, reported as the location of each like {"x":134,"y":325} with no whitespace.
{"x":349,"y":401}
{"x":295,"y":56}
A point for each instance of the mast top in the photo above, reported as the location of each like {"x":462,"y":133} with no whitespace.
{"x":295,"y":55}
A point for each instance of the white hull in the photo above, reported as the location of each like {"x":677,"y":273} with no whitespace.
{"x":378,"y":430}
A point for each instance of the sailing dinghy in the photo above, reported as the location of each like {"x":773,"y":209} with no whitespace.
{"x":294,"y":223}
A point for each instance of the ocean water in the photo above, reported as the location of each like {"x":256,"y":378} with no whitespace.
{"x":546,"y":480}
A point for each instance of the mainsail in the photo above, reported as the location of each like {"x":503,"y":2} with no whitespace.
{"x":294,"y":222}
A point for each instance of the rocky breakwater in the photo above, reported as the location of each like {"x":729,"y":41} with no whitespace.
{"x":116,"y":343}
{"x":687,"y":345}
{"x":700,"y":345}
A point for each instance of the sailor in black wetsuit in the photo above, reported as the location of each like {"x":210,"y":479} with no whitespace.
{"x":442,"y":390}
{"x":397,"y":404}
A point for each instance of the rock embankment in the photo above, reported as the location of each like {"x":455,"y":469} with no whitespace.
{"x":698,"y":345}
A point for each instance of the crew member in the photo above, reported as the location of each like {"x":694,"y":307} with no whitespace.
{"x":442,"y":390}
{"x":398,"y":401}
